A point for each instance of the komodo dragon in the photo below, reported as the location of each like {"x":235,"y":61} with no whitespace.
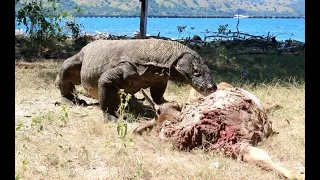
{"x":103,"y":67}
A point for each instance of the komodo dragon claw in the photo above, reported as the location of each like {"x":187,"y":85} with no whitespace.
{"x":108,"y":117}
{"x":77,"y":101}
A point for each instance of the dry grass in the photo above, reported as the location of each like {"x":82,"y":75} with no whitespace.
{"x":52,"y":143}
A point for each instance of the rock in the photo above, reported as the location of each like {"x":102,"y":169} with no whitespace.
{"x":196,"y":37}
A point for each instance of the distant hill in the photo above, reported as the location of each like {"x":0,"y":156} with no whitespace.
{"x":188,"y":7}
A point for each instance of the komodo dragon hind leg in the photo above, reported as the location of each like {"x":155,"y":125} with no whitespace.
{"x":108,"y":86}
{"x":68,"y":77}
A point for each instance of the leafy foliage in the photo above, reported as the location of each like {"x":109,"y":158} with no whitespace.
{"x":182,"y":29}
{"x":222,"y":29}
{"x":44,"y":23}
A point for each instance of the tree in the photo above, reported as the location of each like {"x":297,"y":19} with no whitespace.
{"x":43,"y":21}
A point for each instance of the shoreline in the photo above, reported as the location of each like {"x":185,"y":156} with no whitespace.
{"x":104,"y":35}
{"x":187,"y":16}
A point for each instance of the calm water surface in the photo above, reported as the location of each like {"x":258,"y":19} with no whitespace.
{"x":283,"y":29}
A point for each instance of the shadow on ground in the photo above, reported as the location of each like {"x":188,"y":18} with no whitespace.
{"x":235,"y":65}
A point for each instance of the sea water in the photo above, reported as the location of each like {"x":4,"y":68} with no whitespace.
{"x":281,"y":28}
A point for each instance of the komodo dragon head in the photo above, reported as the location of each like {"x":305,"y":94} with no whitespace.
{"x":197,"y":73}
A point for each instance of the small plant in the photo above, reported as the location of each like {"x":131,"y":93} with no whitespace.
{"x":191,"y":28}
{"x":122,"y":128}
{"x":37,"y":122}
{"x":24,"y":164}
{"x":49,"y":116}
{"x":125,"y":98}
{"x":64,"y":116}
{"x":63,"y":165}
{"x":20,"y":126}
{"x":139,"y":170}
{"x":17,"y":177}
{"x":108,"y":143}
{"x":222,"y":29}
{"x":181,"y":29}
{"x":24,"y":168}
{"x":84,"y":151}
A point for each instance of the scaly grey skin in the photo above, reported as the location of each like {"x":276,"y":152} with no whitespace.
{"x":105,"y":66}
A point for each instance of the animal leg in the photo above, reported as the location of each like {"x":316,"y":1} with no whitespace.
{"x":260,"y":157}
{"x":145,"y":126}
{"x":157,"y":92}
{"x":68,"y":77}
{"x":108,"y":86}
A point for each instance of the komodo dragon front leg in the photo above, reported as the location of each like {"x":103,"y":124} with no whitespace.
{"x":157,"y":92}
{"x":108,"y":87}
